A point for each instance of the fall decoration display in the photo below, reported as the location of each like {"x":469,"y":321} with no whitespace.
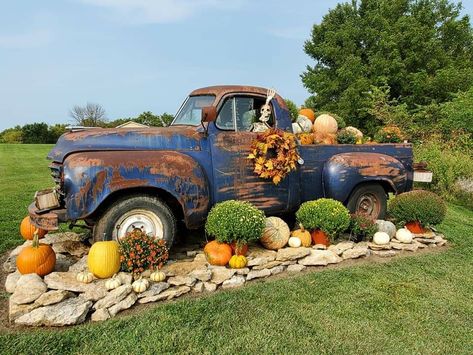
{"x":381,"y":238}
{"x":422,"y":206}
{"x":320,"y":237}
{"x":325,"y":124}
{"x":324,"y":138}
{"x":104,"y":259}
{"x":389,"y":134}
{"x":217,"y":253}
{"x":294,"y":242}
{"x":84,"y":277}
{"x":330,"y":216}
{"x":113,"y":283}
{"x":276,"y":233}
{"x":345,"y":136}
{"x":36,"y":258}
{"x":274,"y":154}
{"x":404,"y":236}
{"x":157,"y":276}
{"x":28,"y":229}
{"x":140,"y":252}
{"x":237,"y":222}
{"x":238,"y":262}
{"x":362,"y":227}
{"x":306,"y":138}
{"x":140,"y":285}
{"x":303,"y":235}
{"x":307,"y":112}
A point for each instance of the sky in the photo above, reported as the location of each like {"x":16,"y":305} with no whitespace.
{"x":132,"y":56}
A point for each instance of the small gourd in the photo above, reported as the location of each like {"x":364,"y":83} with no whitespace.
{"x":113,"y":283}
{"x":238,"y":262}
{"x":381,"y":238}
{"x":140,"y":285}
{"x":404,"y":236}
{"x":294,"y":242}
{"x":84,"y":277}
{"x":157,"y":276}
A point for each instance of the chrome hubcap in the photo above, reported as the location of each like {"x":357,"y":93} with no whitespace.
{"x":368,"y":204}
{"x":144,"y":220}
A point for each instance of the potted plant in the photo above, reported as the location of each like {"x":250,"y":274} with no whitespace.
{"x":325,"y":218}
{"x":236,"y":223}
{"x":362,"y":227}
{"x":417,"y":210}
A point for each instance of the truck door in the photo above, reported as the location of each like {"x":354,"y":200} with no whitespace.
{"x":230,"y":140}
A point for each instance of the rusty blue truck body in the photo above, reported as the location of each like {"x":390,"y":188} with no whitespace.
{"x":193,"y":167}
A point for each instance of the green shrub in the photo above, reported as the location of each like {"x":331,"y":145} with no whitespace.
{"x":235,"y":221}
{"x":346,"y":137}
{"x":362,"y":227}
{"x":328,"y":215}
{"x":419,"y":205}
{"x":390,"y":134}
{"x":293,"y":110}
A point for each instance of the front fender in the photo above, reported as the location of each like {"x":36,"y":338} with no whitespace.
{"x":90,"y":177}
{"x":343,"y":172}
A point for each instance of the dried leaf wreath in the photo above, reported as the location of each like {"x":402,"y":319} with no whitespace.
{"x":274,"y":154}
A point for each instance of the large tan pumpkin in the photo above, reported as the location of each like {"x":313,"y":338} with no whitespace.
{"x":325,"y":124}
{"x":276,"y":233}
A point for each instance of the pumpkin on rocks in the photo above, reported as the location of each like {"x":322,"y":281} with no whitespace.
{"x":218,"y":253}
{"x":303,"y":235}
{"x":28,"y":229}
{"x":104,"y":259}
{"x":276,"y":233}
{"x":36,"y":258}
{"x":325,"y":124}
{"x":307,"y":112}
{"x":238,"y":262}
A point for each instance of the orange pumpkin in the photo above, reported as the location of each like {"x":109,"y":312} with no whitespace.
{"x":218,"y":253}
{"x":306,"y":138}
{"x":324,"y":138}
{"x":36,"y":258}
{"x":27,"y":229}
{"x":325,"y":124}
{"x":303,"y":235}
{"x":307,"y":112}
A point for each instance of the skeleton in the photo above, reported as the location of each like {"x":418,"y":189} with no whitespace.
{"x":265,"y":113}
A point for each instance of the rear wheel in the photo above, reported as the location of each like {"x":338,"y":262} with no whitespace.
{"x":369,"y":199}
{"x":149,"y":214}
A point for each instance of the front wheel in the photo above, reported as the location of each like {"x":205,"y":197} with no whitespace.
{"x":149,"y":214}
{"x":370,"y":200}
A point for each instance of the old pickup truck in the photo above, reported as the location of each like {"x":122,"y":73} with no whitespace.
{"x":149,"y":178}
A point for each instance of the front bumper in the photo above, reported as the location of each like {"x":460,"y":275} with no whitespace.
{"x":48,"y":220}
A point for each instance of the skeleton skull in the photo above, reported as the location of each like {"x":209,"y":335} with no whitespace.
{"x":265,"y":113}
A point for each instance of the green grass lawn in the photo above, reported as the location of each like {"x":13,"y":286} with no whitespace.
{"x":421,"y":304}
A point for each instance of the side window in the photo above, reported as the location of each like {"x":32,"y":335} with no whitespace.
{"x":225,"y":119}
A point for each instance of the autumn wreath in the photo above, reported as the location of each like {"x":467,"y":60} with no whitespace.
{"x":274,"y":154}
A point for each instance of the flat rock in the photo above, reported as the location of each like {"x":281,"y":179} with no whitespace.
{"x":356,"y":252}
{"x":200,"y":258}
{"x":286,"y":254}
{"x":182,"y":280}
{"x":154,"y":289}
{"x":113,"y":297}
{"x":259,"y":256}
{"x":94,"y":294}
{"x":432,"y":246}
{"x":68,"y":312}
{"x":269,"y":265}
{"x":277,"y":269}
{"x":64,"y":262}
{"x":71,"y":247}
{"x":425,"y":240}
{"x":320,"y":258}
{"x":440,"y":241}
{"x":167,"y":295}
{"x":319,"y":247}
{"x":242,"y":271}
{"x":374,"y":246}
{"x":11,"y":281}
{"x":28,"y":288}
{"x":420,"y":245}
{"x":384,"y":253}
{"x":80,"y":265}
{"x":210,"y":287}
{"x":408,"y":247}
{"x":198,"y":287}
{"x":192,"y":253}
{"x":10,"y":264}
{"x":201,"y":274}
{"x":235,"y":281}
{"x":341,"y":247}
{"x":426,"y":235}
{"x":53,"y":297}
{"x":183,"y":267}
{"x":125,"y":303}
{"x":100,"y":315}
{"x":290,"y":262}
{"x":17,"y":310}
{"x":257,"y":274}
{"x":296,"y":268}
{"x":52,"y":238}
{"x":19,"y":248}
{"x":221,"y":274}
{"x":125,"y":277}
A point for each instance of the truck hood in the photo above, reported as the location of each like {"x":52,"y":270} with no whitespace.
{"x":152,"y":138}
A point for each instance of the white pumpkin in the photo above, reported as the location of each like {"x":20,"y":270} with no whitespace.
{"x":296,"y":128}
{"x":157,"y":276}
{"x":294,"y":242}
{"x":84,"y":277}
{"x":404,"y":235}
{"x":325,"y":124}
{"x":304,"y":123}
{"x":140,"y":285}
{"x":381,"y":238}
{"x":113,"y":283}
{"x":386,"y":227}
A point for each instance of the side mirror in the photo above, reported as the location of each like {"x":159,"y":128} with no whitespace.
{"x":209,"y":114}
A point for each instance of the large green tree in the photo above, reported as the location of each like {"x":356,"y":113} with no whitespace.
{"x":421,"y":49}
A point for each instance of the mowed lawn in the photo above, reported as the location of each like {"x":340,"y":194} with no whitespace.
{"x":420,"y":304}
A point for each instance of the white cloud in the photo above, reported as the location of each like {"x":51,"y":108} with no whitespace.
{"x":33,"y":39}
{"x":159,"y":11}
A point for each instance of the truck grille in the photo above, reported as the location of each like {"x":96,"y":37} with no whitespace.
{"x":57,"y":175}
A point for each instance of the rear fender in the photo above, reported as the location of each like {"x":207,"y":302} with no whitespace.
{"x":343,"y":172}
{"x":90,"y":177}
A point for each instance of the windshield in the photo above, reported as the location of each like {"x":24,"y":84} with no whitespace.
{"x":191,"y":112}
